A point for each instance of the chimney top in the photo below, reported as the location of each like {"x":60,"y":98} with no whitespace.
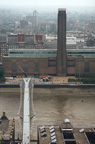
{"x":62,"y":9}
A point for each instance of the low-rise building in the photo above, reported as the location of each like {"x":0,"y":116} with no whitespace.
{"x":65,"y":134}
{"x":7,"y":130}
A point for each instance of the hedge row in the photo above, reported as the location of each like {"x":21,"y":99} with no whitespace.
{"x":74,"y":80}
{"x":2,"y":78}
{"x":85,"y":75}
{"x":88,"y":80}
{"x":84,"y":80}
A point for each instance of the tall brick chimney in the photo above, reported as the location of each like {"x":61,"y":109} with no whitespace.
{"x":61,"y":44}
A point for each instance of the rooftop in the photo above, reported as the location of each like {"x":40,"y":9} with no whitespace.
{"x":62,"y":9}
{"x":65,"y":134}
{"x":37,"y":53}
{"x":6,"y":127}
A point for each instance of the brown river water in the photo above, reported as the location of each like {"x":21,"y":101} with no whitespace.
{"x":52,"y":106}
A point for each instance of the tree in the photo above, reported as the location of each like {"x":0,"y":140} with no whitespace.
{"x":90,"y":42}
{"x":1,"y":72}
{"x":2,"y":77}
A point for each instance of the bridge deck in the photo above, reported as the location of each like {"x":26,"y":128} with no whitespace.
{"x":26,"y":113}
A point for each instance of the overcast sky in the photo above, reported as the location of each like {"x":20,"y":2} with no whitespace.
{"x":48,"y":2}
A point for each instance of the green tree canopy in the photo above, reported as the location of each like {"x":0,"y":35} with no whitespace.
{"x":1,"y":72}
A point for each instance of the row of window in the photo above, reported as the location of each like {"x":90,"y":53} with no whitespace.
{"x":81,"y":52}
{"x":36,"y":67}
{"x":51,"y":60}
{"x":71,"y":66}
{"x":86,"y":67}
{"x":32,"y":53}
{"x":52,"y":53}
{"x":25,"y":67}
{"x":71,"y":60}
{"x":51,"y":65}
{"x":16,"y":52}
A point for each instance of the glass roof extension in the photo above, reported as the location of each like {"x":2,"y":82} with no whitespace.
{"x":35,"y":53}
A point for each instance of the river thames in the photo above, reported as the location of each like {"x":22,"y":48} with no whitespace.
{"x":52,"y":106}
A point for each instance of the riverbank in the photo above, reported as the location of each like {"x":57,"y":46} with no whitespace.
{"x":47,"y":85}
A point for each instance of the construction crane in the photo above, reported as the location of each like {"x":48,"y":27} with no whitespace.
{"x":25,"y":74}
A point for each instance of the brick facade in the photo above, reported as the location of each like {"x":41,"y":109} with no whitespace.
{"x":61,"y":44}
{"x":34,"y":66}
{"x":45,"y":66}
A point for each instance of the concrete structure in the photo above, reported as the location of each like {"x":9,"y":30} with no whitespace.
{"x":39,"y":39}
{"x":66,"y":134}
{"x":12,"y":39}
{"x":51,"y":42}
{"x":15,"y":39}
{"x":25,"y":108}
{"x":3,"y":50}
{"x":34,"y":18}
{"x":23,"y":24}
{"x":61,"y":44}
{"x":7,"y":130}
{"x":26,"y":112}
{"x":3,"y":39}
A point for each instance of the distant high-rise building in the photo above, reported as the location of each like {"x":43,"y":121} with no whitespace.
{"x":34,"y":18}
{"x":23,"y":24}
{"x":61,"y":43}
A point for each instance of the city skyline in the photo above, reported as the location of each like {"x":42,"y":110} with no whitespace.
{"x":44,"y":2}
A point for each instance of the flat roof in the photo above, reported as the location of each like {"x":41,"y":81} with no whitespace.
{"x":61,"y":135}
{"x":62,"y":9}
{"x":82,"y":49}
{"x":31,"y":49}
{"x":93,"y":49}
{"x":7,"y":126}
